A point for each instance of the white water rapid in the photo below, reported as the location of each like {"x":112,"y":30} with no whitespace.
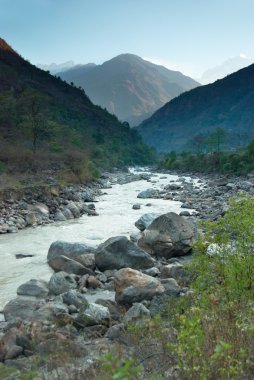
{"x":116,"y":217}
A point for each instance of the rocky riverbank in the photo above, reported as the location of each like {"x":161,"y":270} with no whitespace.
{"x":47,"y":316}
{"x":42,"y":205}
{"x":49,"y":321}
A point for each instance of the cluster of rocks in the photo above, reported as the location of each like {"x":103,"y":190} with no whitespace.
{"x":42,"y":205}
{"x":207,"y":196}
{"x":47,"y":206}
{"x":140,"y":274}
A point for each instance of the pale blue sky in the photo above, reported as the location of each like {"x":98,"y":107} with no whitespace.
{"x":190,"y":35}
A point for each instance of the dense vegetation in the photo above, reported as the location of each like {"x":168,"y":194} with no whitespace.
{"x":129,"y":86}
{"x":209,"y":333}
{"x":227,"y":103}
{"x":46,"y":123}
{"x":239,"y":162}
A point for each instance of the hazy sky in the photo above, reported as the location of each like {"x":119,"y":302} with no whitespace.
{"x":189,"y":35}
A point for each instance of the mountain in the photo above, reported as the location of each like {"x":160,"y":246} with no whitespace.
{"x":54,"y":68}
{"x":128,"y":86}
{"x":228,"y":67}
{"x":227,"y":103}
{"x":46,"y":123}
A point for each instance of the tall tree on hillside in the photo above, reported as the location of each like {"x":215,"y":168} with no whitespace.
{"x":34,"y":117}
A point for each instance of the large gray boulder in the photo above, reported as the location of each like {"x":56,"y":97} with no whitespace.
{"x":119,"y":252}
{"x":34,"y":288}
{"x":74,"y":209}
{"x":133,"y":286}
{"x":149,"y":193}
{"x":167,"y":236}
{"x":21,"y":307}
{"x":61,"y":282}
{"x":145,"y":220}
{"x":70,"y":257}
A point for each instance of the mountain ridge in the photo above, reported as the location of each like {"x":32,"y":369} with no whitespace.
{"x":226,"y":103}
{"x":129,"y":86}
{"x":42,"y":116}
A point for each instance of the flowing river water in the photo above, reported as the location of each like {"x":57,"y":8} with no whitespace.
{"x":116,"y":217}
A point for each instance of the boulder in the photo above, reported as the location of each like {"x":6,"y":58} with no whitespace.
{"x":133,"y":286}
{"x":175,"y":271}
{"x":50,"y":310}
{"x":59,"y":217}
{"x":20,"y":307}
{"x":154,"y":271}
{"x":115,"y":331}
{"x":135,"y":236}
{"x":32,"y":218}
{"x":74,"y":209}
{"x":35,"y":288}
{"x":88,"y":260}
{"x":171,"y":286}
{"x":145,"y":220}
{"x":74,"y":297}
{"x":137,"y":313}
{"x":136,"y":206}
{"x":92,"y":315}
{"x":63,"y":263}
{"x":173,"y":187}
{"x":40,"y":208}
{"x":167,"y":236}
{"x":60,"y":251}
{"x":61,"y":282}
{"x":119,"y":252}
{"x":149,"y":193}
{"x":185,"y":213}
{"x":8,"y":345}
{"x":93,"y":282}
{"x":67,"y":213}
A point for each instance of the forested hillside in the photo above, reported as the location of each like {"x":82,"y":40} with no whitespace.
{"x":44,"y":122}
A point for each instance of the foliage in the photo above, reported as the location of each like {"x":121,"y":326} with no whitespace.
{"x":216,"y":334}
{"x":226,"y":104}
{"x":239,"y":162}
{"x":208,"y":334}
{"x":41,"y":115}
{"x":115,"y":367}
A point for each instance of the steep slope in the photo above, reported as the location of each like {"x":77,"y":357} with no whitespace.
{"x":45,"y":120}
{"x":129,"y":86}
{"x":227,"y":103}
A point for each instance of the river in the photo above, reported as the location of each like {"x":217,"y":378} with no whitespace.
{"x":116,"y":217}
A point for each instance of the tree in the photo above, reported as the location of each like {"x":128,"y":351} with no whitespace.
{"x":251,"y":150}
{"x":34,"y":118}
{"x":217,"y":138}
{"x":198,"y":142}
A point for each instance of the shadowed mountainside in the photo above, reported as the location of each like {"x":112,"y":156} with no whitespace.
{"x":129,"y":86}
{"x":227,"y":103}
{"x":46,"y":122}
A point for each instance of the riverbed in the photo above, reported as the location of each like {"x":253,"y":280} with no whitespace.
{"x":116,"y":217}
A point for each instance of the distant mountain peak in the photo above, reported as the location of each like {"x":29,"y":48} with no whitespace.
{"x":129,"y":86}
{"x":4,"y":46}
